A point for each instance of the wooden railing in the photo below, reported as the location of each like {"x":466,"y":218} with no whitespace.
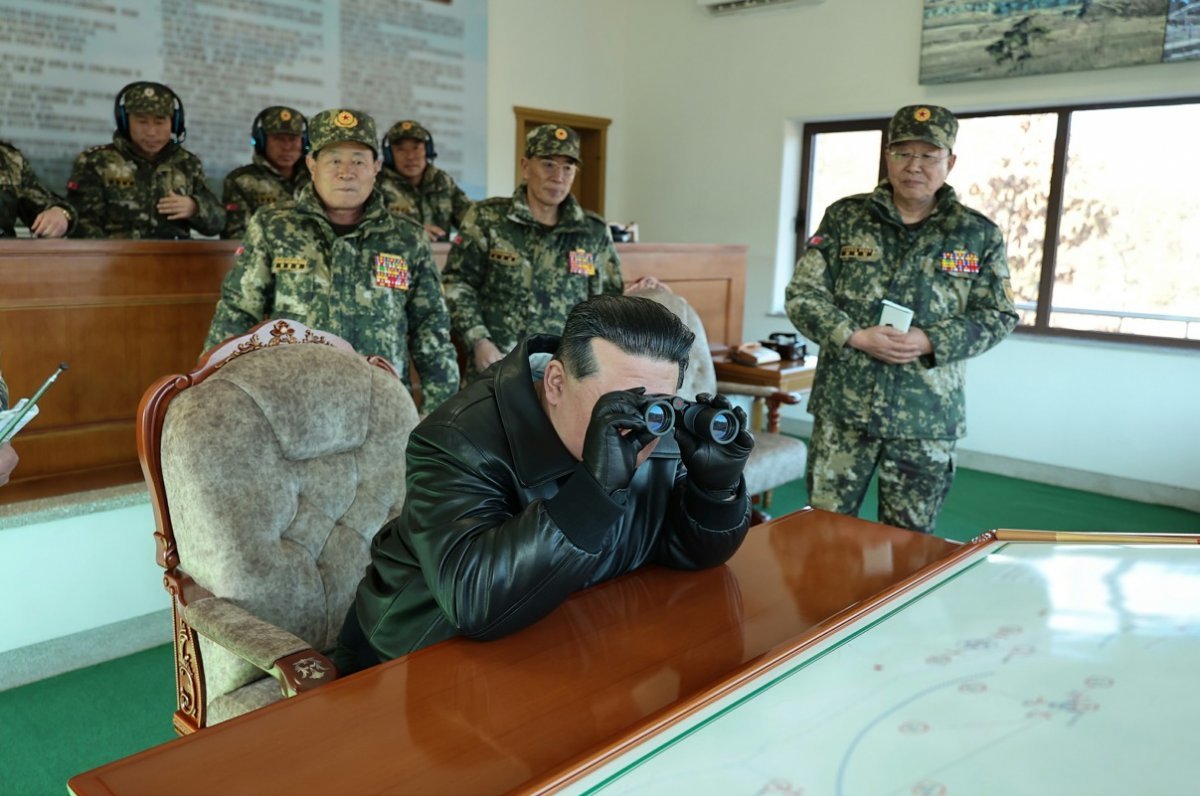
{"x":123,"y":313}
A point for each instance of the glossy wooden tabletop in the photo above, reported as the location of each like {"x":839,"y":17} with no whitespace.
{"x":486,"y":717}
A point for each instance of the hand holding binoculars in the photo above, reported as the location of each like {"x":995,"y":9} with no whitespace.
{"x":662,"y":412}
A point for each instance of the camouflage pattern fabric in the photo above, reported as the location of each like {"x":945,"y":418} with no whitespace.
{"x":22,"y":196}
{"x":932,"y":124}
{"x":915,"y":475}
{"x":116,"y":191}
{"x":258,"y":184}
{"x":341,"y":124}
{"x":437,"y":200}
{"x":281,"y":119}
{"x":153,"y":99}
{"x":508,"y":277}
{"x":548,"y":140}
{"x":407,"y":128}
{"x":951,"y":271}
{"x":3,"y":393}
{"x":376,"y":286}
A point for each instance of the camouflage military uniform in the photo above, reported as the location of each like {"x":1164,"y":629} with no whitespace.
{"x":951,"y":270}
{"x":3,"y":393}
{"x":259,"y":184}
{"x":376,"y":286}
{"x":507,"y":276}
{"x":437,"y":200}
{"x":116,"y":192}
{"x":22,"y":197}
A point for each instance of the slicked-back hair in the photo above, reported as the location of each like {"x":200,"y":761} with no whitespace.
{"x":640,"y":327}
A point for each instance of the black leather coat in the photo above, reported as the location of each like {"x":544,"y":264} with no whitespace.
{"x":475,"y":551}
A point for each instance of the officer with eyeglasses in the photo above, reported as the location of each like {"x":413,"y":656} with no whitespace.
{"x":889,"y":388}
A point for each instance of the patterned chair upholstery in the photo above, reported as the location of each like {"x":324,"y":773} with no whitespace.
{"x":777,"y":459}
{"x":271,"y":467}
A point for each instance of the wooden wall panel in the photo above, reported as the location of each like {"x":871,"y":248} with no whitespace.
{"x":123,"y":313}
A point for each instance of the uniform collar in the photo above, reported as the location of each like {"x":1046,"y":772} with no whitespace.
{"x":884,"y":198}
{"x":570,"y":214}
{"x":125,"y":147}
{"x":537,"y":451}
{"x":308,"y":202}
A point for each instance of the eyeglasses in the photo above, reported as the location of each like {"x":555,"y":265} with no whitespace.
{"x":920,"y":158}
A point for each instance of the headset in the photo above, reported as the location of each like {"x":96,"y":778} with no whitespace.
{"x":121,"y":116}
{"x":258,"y":136}
{"x":390,"y":160}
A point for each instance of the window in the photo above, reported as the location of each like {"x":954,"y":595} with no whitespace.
{"x":1096,"y":204}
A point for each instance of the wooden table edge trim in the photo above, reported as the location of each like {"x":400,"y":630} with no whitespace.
{"x":592,"y":759}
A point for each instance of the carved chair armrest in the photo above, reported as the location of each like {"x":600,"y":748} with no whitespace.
{"x":774,"y":400}
{"x":283,"y":655}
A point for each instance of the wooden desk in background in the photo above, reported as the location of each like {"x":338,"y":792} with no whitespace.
{"x":611,"y":664}
{"x":124,"y":313}
{"x":787,"y":376}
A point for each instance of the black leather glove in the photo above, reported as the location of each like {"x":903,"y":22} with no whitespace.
{"x":609,"y":455}
{"x":716,"y":469}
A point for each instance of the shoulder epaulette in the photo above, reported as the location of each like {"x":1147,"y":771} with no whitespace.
{"x":494,"y":200}
{"x":595,"y":216}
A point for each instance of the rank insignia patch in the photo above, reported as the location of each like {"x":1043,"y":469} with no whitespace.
{"x":294,"y":264}
{"x":864,"y":253}
{"x":581,"y":262}
{"x":960,"y":261}
{"x":504,"y":257}
{"x":391,"y":271}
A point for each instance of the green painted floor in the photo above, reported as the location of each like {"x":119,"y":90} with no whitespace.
{"x":56,"y":728}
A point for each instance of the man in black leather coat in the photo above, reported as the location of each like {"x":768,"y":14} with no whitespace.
{"x":541,"y":478}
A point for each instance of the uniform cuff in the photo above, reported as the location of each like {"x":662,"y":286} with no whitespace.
{"x":840,"y":335}
{"x":474,"y":335}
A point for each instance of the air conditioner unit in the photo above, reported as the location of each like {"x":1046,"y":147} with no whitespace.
{"x":730,"y":6}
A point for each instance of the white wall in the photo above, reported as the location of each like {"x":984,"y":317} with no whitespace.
{"x":560,"y":55}
{"x":74,"y":574}
{"x":714,"y":104}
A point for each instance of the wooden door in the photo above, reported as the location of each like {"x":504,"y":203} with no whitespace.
{"x":593,"y":131}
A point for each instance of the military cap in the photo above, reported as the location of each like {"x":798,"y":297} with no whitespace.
{"x":341,"y":124}
{"x":407,"y":129}
{"x":281,"y":119}
{"x":932,"y":124}
{"x":148,"y":98}
{"x":552,"y":139}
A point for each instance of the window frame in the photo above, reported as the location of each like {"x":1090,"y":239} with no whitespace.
{"x":1041,"y":325}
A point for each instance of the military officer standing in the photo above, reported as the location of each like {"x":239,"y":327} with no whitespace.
{"x":144,"y":184}
{"x":520,"y":263}
{"x":884,"y":397}
{"x":277,"y":172}
{"x":24,"y":199}
{"x":412,"y":184}
{"x":337,"y":260}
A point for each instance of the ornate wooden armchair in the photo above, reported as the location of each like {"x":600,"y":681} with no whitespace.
{"x":271,"y":467}
{"x":777,"y":459}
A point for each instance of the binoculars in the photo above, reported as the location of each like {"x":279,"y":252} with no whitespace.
{"x":662,"y":412}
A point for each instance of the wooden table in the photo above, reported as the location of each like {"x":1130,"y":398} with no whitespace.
{"x":1036,"y":663}
{"x":787,"y":376}
{"x":609,"y":665}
